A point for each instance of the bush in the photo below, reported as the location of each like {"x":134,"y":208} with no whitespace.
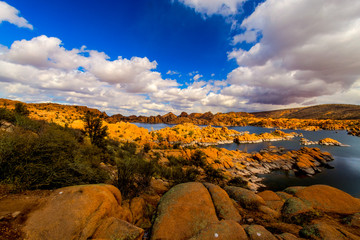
{"x":51,"y":158}
{"x":7,"y":115}
{"x":238,"y":182}
{"x":198,"y":159}
{"x":94,"y":129}
{"x":147,"y":147}
{"x":177,"y":174}
{"x":134,"y":174}
{"x":177,"y":161}
{"x":213,"y":175}
{"x":21,"y":109}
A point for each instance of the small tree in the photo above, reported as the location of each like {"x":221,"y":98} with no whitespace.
{"x":95,"y":130}
{"x":21,"y":109}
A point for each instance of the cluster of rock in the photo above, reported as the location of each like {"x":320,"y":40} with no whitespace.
{"x":305,"y":160}
{"x":6,"y":126}
{"x":248,"y":165}
{"x":208,"y":118}
{"x":277,"y":135}
{"x":325,"y":141}
{"x":197,"y":211}
{"x":189,"y":134}
{"x":354,"y":131}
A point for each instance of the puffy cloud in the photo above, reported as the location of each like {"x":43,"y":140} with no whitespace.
{"x":43,"y":66}
{"x":197,"y":77}
{"x":211,"y":7}
{"x":307,"y":49}
{"x":44,"y":53}
{"x":42,"y":70}
{"x":10,"y":14}
{"x":170,"y":72}
{"x":248,"y":36}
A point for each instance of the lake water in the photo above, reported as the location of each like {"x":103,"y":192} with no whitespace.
{"x":346,"y":172}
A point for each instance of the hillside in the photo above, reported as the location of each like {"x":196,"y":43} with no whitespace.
{"x":326,"y":111}
{"x":327,"y":117}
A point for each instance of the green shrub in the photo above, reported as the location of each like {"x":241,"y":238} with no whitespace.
{"x":50,"y":158}
{"x":21,"y":109}
{"x":7,"y":115}
{"x":177,"y":161}
{"x":238,"y":182}
{"x":134,"y":174}
{"x":94,"y":129}
{"x":177,"y":174}
{"x":198,"y":159}
{"x":147,"y":147}
{"x":213,"y":175}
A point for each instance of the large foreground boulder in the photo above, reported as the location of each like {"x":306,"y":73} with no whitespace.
{"x":323,"y":230}
{"x":77,"y":213}
{"x":246,"y":198}
{"x":183,"y":212}
{"x":258,"y":232}
{"x":223,"y":230}
{"x":187,"y":211}
{"x":329,"y":199}
{"x":224,"y":207}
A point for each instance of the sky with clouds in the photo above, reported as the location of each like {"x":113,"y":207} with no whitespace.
{"x":150,"y":57}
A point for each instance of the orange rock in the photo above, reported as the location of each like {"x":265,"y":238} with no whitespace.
{"x":137,"y":208}
{"x":181,"y":215}
{"x":224,"y":230}
{"x":272,"y":200}
{"x":323,"y":230}
{"x":246,"y":198}
{"x":223,"y":204}
{"x":113,"y":228}
{"x":257,"y":232}
{"x":268,"y":195}
{"x":159,"y":186}
{"x":73,"y":212}
{"x":329,"y":199}
{"x":329,"y":141}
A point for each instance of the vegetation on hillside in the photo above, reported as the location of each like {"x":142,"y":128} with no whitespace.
{"x":39,"y":155}
{"x":325,"y":111}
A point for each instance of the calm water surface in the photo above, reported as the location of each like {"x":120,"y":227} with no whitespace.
{"x":345,"y":175}
{"x":346,"y":172}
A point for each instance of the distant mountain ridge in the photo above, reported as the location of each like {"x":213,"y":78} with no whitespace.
{"x":68,"y":113}
{"x":325,"y":111}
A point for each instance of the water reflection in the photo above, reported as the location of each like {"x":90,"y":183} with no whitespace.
{"x":345,"y":175}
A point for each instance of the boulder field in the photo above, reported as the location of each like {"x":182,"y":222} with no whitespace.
{"x":191,"y":210}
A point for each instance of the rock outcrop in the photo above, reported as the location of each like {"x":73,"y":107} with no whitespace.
{"x":246,"y":198}
{"x":276,"y":135}
{"x":329,"y":199}
{"x":183,"y":216}
{"x":325,"y":141}
{"x":81,"y":212}
{"x":196,"y":211}
{"x":187,"y":211}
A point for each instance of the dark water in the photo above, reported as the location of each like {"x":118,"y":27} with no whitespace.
{"x":153,"y":127}
{"x":346,"y":172}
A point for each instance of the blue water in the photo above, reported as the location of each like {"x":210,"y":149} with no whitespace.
{"x":153,"y":127}
{"x":346,"y":172}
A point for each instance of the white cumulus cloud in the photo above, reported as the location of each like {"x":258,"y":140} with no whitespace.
{"x":308,"y":49}
{"x":211,"y":7}
{"x":10,"y":14}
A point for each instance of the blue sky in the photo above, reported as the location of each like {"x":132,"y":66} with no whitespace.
{"x":154,"y":56}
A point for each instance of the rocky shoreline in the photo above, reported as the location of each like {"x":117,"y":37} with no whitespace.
{"x":193,"y":210}
{"x":324,"y":142}
{"x":307,"y":161}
